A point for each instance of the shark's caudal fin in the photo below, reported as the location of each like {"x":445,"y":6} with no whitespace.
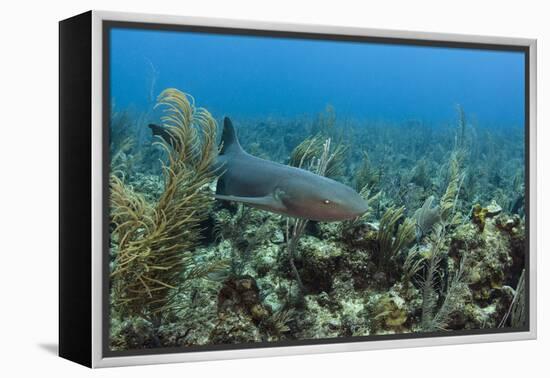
{"x":163,"y":133}
{"x":157,"y":130}
{"x":229,"y":142}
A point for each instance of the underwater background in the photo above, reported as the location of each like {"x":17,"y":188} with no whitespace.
{"x":432,"y":138}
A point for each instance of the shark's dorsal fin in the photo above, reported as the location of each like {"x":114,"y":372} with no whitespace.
{"x":229,"y":142}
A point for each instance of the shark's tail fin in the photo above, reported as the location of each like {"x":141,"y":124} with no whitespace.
{"x":163,"y":133}
{"x":229,"y":142}
{"x":156,"y":129}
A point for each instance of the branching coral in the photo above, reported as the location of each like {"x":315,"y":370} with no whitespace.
{"x":414,"y":263}
{"x":434,"y":318}
{"x":119,"y":160}
{"x":366,"y":177}
{"x":121,"y":130}
{"x":306,"y":151}
{"x":420,"y":176}
{"x":461,"y":131}
{"x":518,"y":309}
{"x":326,"y":121}
{"x":294,"y":230}
{"x":307,"y":155}
{"x":392,"y":238}
{"x":452,"y":300}
{"x":516,"y":312}
{"x":432,"y":278}
{"x":153,"y":242}
{"x":449,"y":200}
{"x":278,"y":323}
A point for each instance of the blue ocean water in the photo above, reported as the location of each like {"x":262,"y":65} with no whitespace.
{"x":249,"y":76}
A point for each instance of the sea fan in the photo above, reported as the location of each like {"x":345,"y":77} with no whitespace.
{"x":426,"y":217}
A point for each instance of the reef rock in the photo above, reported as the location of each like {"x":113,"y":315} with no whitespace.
{"x":320,"y":261}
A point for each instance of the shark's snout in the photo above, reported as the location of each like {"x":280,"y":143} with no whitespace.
{"x":352,"y":205}
{"x":326,"y":200}
{"x":358,"y":207}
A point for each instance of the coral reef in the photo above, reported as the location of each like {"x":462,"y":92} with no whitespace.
{"x":442,"y":246}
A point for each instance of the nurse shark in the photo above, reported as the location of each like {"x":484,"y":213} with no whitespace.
{"x":278,"y":188}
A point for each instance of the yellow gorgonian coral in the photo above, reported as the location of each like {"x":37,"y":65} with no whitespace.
{"x":153,"y":241}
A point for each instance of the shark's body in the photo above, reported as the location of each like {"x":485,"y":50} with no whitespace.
{"x":280,"y":188}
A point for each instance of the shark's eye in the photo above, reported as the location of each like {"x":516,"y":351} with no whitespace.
{"x":326,"y":202}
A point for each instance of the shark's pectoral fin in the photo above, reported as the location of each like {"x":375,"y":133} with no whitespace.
{"x":267,"y":202}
